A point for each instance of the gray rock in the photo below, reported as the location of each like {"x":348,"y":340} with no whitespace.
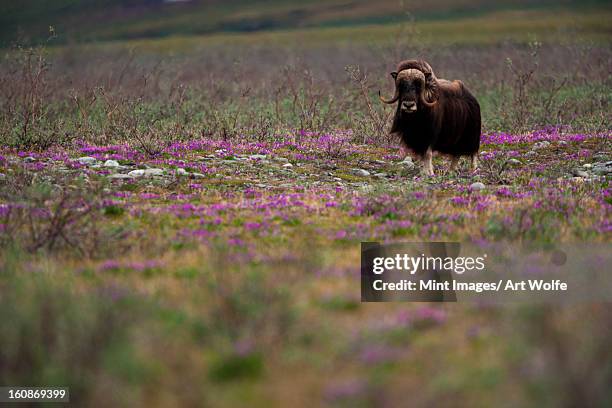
{"x":257,"y":156}
{"x":288,"y":165}
{"x":407,"y":163}
{"x":380,"y":175}
{"x":87,"y":160}
{"x":153,"y":172}
{"x":120,"y":176}
{"x":361,"y":172}
{"x":282,"y":159}
{"x":541,"y":145}
{"x":514,"y":162}
{"x":197,"y":175}
{"x":580,"y":173}
{"x":136,"y":173}
{"x":477,"y":186}
{"x":111,"y":163}
{"x":181,"y":172}
{"x":146,"y":173}
{"x":602,"y":169}
{"x":587,"y":165}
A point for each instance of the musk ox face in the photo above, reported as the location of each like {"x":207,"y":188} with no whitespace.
{"x":410,"y":85}
{"x":415,"y":87}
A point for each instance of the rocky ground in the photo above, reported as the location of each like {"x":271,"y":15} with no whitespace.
{"x":323,"y":179}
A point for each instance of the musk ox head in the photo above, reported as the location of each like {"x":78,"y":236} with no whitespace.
{"x":416,"y":86}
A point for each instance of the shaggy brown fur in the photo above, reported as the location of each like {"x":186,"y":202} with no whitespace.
{"x":434,"y":115}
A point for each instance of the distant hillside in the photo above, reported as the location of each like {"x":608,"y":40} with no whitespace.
{"x":103,"y":20}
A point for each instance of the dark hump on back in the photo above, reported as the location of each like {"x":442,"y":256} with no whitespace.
{"x":414,"y":64}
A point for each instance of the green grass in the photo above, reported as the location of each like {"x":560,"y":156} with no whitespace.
{"x":521,"y":27}
{"x":95,"y":21}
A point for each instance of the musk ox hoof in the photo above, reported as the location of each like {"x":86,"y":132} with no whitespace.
{"x":474,"y":162}
{"x":428,"y":172}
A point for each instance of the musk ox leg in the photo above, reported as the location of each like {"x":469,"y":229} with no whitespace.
{"x":454,"y":163}
{"x":404,"y":151}
{"x":475,"y":162}
{"x":427,"y":166}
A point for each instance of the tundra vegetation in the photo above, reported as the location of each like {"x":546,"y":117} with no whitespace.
{"x":180,"y":218}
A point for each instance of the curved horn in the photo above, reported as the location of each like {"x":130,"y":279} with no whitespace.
{"x":429,"y":90}
{"x":424,"y":100}
{"x":389,"y":101}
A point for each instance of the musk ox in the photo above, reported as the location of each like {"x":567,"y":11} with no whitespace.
{"x":434,"y":115}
